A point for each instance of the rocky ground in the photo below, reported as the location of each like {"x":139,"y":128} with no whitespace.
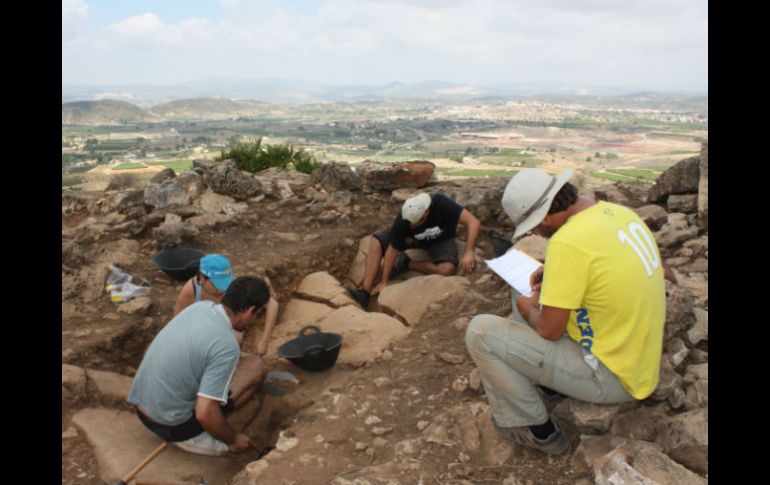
{"x":403,"y":404}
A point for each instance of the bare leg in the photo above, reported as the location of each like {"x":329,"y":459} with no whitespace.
{"x":248,"y":377}
{"x":373,"y":264}
{"x":444,"y":269}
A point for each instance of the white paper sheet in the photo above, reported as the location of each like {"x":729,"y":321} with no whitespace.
{"x":515,"y":267}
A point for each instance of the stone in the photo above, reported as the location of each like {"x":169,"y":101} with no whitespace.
{"x":410,"y":299}
{"x":474,"y":379}
{"x":70,"y":432}
{"x":226,"y":179}
{"x":130,"y":200}
{"x":407,"y":447}
{"x":213,"y":203}
{"x":588,"y":416}
{"x":422,"y":424}
{"x":684,"y":438}
{"x":109,"y":385}
{"x":667,"y":381}
{"x":389,"y":176}
{"x":451,"y":358}
{"x":174,"y":232}
{"x":699,"y":246}
{"x":163,"y":175}
{"x":370,"y":420}
{"x":136,"y":306}
{"x":679,"y":315}
{"x":533,"y":245}
{"x":327,"y":217}
{"x":682,"y":203}
{"x":381,"y":382}
{"x":381,"y":430}
{"x":640,"y":423}
{"x":681,"y":178}
{"x":122,"y":253}
{"x":616,"y":470}
{"x":336,"y":176}
{"x":358,"y":267}
{"x":73,"y":379}
{"x":676,"y":351}
{"x":461,"y":323}
{"x":699,"y":330}
{"x":672,"y":233}
{"x":652,"y":215}
{"x":365,"y":334}
{"x":460,"y":384}
{"x":303,"y":313}
{"x":120,"y":442}
{"x":180,"y":191}
{"x":324,"y":287}
{"x":494,"y":450}
{"x":703,"y":186}
{"x":699,"y":265}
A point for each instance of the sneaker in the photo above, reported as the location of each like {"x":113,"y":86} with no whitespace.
{"x":555,"y":444}
{"x":401,"y":265}
{"x":203,"y":444}
{"x":499,"y":242}
{"x":360,"y":296}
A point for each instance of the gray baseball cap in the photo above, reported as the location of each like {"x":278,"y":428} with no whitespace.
{"x":528,"y":197}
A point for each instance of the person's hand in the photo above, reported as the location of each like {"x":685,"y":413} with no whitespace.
{"x":241,"y":443}
{"x":261,"y":349}
{"x":526,"y":303}
{"x":468,"y":262}
{"x":536,"y":279}
{"x":378,"y":288}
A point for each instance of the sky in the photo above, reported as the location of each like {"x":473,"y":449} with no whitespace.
{"x":657,"y":45}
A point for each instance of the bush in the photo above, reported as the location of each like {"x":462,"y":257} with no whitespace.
{"x":252,"y":157}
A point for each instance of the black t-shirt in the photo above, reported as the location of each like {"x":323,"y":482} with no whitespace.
{"x":443,"y":215}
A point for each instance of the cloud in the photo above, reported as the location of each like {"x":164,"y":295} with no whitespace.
{"x":74,"y":14}
{"x":656,"y":43}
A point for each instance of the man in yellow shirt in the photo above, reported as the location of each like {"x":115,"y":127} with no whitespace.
{"x":602,"y":284}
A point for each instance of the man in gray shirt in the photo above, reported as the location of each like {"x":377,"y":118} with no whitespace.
{"x":191,"y":374}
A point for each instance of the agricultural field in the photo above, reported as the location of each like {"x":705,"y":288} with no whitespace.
{"x":605,"y":143}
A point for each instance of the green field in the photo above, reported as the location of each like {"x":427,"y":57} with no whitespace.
{"x":651,"y":175}
{"x":176,"y":165}
{"x":129,"y":166}
{"x":474,"y":172}
{"x":506,"y":156}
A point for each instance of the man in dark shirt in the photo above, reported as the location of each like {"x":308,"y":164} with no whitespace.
{"x":426,"y":222}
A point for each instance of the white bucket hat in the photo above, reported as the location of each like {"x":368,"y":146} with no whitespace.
{"x":414,"y":207}
{"x":528,"y":197}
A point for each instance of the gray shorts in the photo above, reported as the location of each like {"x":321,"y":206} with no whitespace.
{"x":441,"y":252}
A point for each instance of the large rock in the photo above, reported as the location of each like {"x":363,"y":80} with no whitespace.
{"x":163,"y":175}
{"x":640,"y":423}
{"x":533,"y":245}
{"x":699,"y":331}
{"x":684,"y":438}
{"x":120,"y":442}
{"x":130,"y":200}
{"x":481,"y":197}
{"x":411,"y":298}
{"x":682,"y":178}
{"x":652,"y":215}
{"x":587,"y":416}
{"x":365,"y":335}
{"x":389,"y":176}
{"x":668,"y":381}
{"x":358,"y":267}
{"x":73,"y":382}
{"x":703,"y":187}
{"x":180,"y":190}
{"x":226,"y":179}
{"x":122,"y":253}
{"x":213,"y":203}
{"x":109,"y":385}
{"x":324,"y":287}
{"x":679,"y":316}
{"x":336,"y":176}
{"x":687,"y":203}
{"x":697,"y":379}
{"x":675,"y":231}
{"x":303,"y":312}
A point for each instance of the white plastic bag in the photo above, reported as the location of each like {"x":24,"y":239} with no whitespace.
{"x":120,"y":287}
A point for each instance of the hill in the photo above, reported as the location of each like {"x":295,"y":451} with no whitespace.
{"x":105,"y":112}
{"x":208,"y":108}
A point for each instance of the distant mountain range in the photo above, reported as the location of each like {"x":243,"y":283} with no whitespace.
{"x":291,"y":91}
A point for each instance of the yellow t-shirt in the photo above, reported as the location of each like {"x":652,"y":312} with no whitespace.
{"x":604,"y":264}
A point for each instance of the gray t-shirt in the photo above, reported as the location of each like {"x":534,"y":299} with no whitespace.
{"x":194,"y":355}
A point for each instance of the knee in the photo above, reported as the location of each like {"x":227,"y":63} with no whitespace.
{"x":476,"y":330}
{"x":447,"y":269}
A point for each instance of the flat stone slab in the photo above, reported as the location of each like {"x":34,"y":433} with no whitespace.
{"x":121,"y":442}
{"x":109,"y":384}
{"x":364,"y":335}
{"x":303,"y":313}
{"x":323,"y":286}
{"x":411,"y":299}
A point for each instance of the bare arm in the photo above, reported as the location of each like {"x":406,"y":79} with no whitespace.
{"x":209,"y":414}
{"x":387,"y":267}
{"x":468,"y":261}
{"x":186,"y":297}
{"x":549,"y":322}
{"x":271,"y":315}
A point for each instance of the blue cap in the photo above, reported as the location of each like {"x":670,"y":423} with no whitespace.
{"x":217,"y":268}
